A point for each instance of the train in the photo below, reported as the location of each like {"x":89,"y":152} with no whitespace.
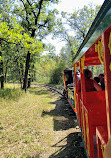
{"x":93,"y":108}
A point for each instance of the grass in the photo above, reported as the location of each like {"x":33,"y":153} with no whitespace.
{"x":33,"y":125}
{"x":23,"y":130}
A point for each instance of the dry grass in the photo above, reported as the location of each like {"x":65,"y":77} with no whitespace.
{"x":25,"y":132}
{"x":22,"y":129}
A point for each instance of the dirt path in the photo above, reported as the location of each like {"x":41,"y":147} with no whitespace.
{"x":68,"y":142}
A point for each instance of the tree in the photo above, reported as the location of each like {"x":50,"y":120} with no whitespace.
{"x":80,"y":21}
{"x":50,"y":50}
{"x":13,"y":39}
{"x":73,"y":28}
{"x":37,"y":18}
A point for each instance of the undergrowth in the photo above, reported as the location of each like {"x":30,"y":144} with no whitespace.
{"x":13,"y":93}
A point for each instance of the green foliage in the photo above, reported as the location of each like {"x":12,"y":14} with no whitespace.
{"x":56,"y":76}
{"x":36,"y":17}
{"x":12,"y":94}
{"x":68,"y":51}
{"x":17,"y":37}
{"x":23,"y":26}
{"x":96,"y":70}
{"x":80,"y":21}
{"x":44,"y":66}
{"x":15,"y":43}
{"x":72,"y":28}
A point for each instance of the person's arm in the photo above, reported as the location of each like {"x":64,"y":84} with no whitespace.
{"x":107,"y":150}
{"x":97,"y":86}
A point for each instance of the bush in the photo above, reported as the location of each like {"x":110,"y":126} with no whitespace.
{"x":9,"y":93}
{"x":57,"y":75}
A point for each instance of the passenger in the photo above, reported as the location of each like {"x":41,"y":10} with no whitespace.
{"x":78,"y":75}
{"x":97,"y":79}
{"x":66,"y":78}
{"x":90,"y":84}
{"x":101,"y":76}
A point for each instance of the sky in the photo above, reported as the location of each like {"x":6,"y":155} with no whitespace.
{"x":69,"y":6}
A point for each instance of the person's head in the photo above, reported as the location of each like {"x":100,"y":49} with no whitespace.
{"x":87,"y":73}
{"x":101,"y":76}
{"x":97,"y":79}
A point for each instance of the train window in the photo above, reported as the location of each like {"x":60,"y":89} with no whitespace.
{"x":68,"y":77}
{"x":97,"y":75}
{"x":96,"y":69}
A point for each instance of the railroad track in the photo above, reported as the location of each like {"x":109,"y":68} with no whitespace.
{"x":53,"y":88}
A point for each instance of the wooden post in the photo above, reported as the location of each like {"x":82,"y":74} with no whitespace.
{"x":83,"y":91}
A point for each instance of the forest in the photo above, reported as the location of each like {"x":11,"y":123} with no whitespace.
{"x":25,"y":25}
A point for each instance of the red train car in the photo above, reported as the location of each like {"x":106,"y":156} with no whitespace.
{"x":69,"y":87}
{"x":94,"y":107}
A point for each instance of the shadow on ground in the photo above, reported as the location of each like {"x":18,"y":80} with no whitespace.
{"x":64,"y":119}
{"x":73,"y":148}
{"x":63,"y":115}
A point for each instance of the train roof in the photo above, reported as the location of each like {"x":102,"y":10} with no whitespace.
{"x":99,"y":25}
{"x":68,"y":69}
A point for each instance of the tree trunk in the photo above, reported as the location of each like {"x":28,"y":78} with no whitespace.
{"x":26,"y":71}
{"x":22,"y":74}
{"x":5,"y":73}
{"x":1,"y":73}
{"x":2,"y":76}
{"x":2,"y":82}
{"x":29,"y":82}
